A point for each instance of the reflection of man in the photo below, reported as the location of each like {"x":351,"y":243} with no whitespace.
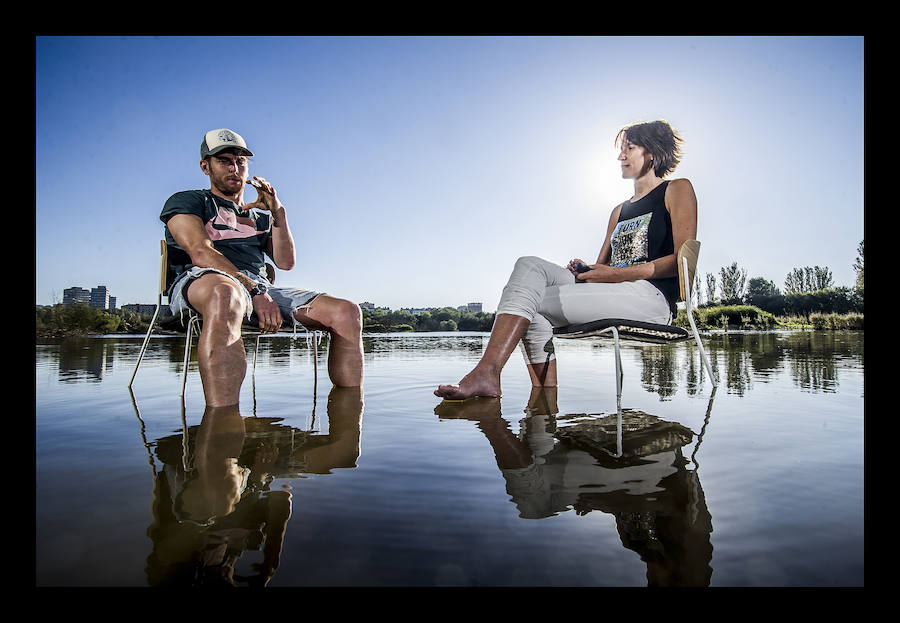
{"x":218,"y":245}
{"x":213,"y":503}
{"x":208,"y":516}
{"x":659,"y":506}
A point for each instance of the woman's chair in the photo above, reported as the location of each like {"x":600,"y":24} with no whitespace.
{"x":166,"y":277}
{"x":633,"y":330}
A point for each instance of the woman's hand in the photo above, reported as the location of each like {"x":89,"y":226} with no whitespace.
{"x":573,"y":265}
{"x":601,"y":273}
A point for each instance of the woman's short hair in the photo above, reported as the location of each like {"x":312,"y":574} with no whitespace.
{"x":659,"y":139}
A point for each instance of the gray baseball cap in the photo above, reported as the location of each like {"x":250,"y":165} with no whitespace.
{"x":215,"y":141}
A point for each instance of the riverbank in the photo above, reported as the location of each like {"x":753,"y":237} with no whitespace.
{"x":72,"y":321}
{"x":750,"y":317}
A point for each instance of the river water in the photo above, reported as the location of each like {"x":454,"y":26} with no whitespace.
{"x":758,"y":483}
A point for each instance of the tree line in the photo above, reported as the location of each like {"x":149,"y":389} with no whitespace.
{"x":438,"y":319}
{"x":65,"y":320}
{"x":807,"y":290}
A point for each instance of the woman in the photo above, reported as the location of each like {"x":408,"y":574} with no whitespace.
{"x":635,"y":276}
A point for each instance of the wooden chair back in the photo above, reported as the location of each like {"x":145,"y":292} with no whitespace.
{"x":690,"y":250}
{"x":167,"y":271}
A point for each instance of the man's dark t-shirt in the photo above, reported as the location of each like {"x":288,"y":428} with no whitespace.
{"x":241,"y":236}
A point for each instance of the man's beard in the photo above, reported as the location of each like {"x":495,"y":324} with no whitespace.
{"x":227,"y":186}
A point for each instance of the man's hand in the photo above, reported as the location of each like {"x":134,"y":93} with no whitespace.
{"x":266,"y":197}
{"x":267,"y":313}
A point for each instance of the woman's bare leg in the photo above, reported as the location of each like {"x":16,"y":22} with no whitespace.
{"x":543,"y":374}
{"x":484,"y":379}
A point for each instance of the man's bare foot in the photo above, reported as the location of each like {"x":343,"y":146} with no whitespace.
{"x":475,"y":383}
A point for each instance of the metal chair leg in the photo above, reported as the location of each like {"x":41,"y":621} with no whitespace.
{"x":315,"y":358}
{"x":690,"y":314}
{"x":146,"y":340}
{"x":187,"y":351}
{"x":256,"y":354}
{"x":619,"y":373}
{"x":619,"y":376}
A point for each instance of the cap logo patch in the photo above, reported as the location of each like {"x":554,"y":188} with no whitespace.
{"x":227,"y":137}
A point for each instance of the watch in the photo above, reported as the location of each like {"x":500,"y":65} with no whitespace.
{"x":259,"y":288}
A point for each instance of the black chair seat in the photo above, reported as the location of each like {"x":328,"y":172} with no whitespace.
{"x":627,"y":329}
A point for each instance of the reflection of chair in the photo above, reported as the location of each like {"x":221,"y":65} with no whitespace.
{"x":644,"y":331}
{"x":166,"y":277}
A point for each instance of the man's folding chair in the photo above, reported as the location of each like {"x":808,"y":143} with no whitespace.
{"x":632,"y":330}
{"x":166,"y":277}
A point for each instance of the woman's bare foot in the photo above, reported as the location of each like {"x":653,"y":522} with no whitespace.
{"x":484,"y":380}
{"x":478,"y":382}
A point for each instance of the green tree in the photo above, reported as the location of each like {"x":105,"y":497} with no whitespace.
{"x":859,"y":266}
{"x":820,"y":278}
{"x":793,"y":282}
{"x":763,"y":294}
{"x":808,"y":279}
{"x":710,"y":288}
{"x":759,"y":287}
{"x":733,"y":281}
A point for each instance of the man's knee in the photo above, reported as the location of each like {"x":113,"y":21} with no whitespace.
{"x":345,"y":317}
{"x":224,"y":303}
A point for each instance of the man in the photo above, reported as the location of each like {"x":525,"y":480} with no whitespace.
{"x":217,"y":246}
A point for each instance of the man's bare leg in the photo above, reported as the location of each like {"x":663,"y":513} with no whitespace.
{"x":343,"y":319}
{"x":484,"y":379}
{"x":220,"y":350}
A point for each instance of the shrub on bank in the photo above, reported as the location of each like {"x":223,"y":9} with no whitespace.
{"x":725,"y":316}
{"x":836,"y":321}
{"x":63,"y":320}
{"x":751,"y":317}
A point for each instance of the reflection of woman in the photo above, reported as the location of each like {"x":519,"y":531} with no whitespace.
{"x":635,"y":275}
{"x":659,"y":506}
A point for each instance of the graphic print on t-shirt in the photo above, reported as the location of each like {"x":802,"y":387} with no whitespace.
{"x":630,"y":241}
{"x":226,"y":225}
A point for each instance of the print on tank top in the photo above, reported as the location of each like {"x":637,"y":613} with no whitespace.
{"x":630,"y":242}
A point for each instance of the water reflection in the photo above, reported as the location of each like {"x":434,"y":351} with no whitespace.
{"x":812,"y":359}
{"x":212,"y":495}
{"x":633,"y":469}
{"x":85,"y":360}
{"x":740,"y":359}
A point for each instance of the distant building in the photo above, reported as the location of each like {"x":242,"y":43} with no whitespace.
{"x":112,"y":302}
{"x":472,"y":307}
{"x":139,"y":308}
{"x":416,"y":311}
{"x":76,"y":296}
{"x":367,"y":305}
{"x":100,"y":297}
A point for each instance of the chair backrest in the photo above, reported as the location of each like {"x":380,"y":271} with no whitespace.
{"x":163,"y":267}
{"x":167,"y":272}
{"x":690,"y":250}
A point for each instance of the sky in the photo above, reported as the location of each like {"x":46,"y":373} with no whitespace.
{"x":416,"y":169}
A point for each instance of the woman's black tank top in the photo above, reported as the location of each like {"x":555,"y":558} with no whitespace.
{"x":643,"y":234}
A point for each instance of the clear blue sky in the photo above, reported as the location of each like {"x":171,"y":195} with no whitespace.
{"x":415,"y":170}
